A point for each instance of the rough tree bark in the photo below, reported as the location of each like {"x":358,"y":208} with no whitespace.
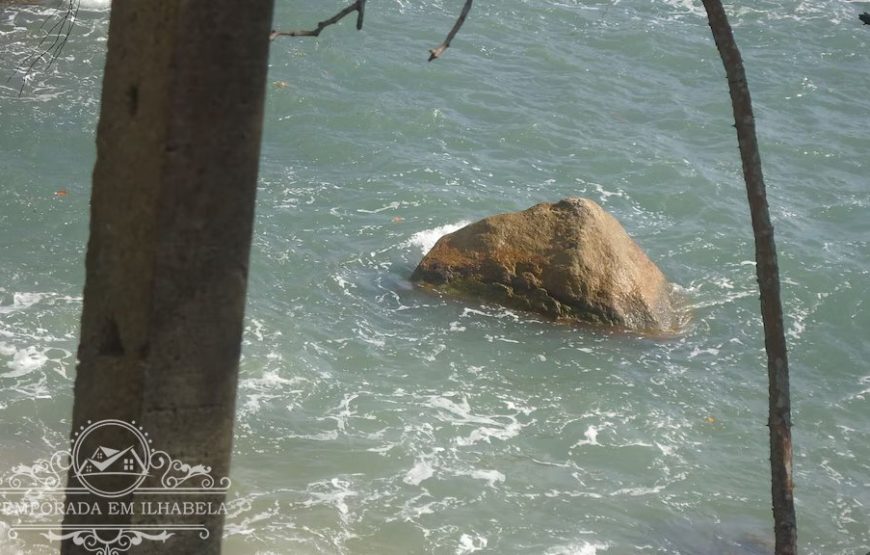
{"x":785,"y":525}
{"x":172,"y":210}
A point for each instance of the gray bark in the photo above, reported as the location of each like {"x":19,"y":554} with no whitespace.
{"x":172,"y":210}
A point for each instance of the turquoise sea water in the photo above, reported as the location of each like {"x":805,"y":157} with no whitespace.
{"x":374,"y":418}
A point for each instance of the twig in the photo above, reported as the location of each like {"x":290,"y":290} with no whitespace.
{"x":60,"y":33}
{"x":436,"y":52}
{"x":359,"y":6}
{"x":66,"y":35}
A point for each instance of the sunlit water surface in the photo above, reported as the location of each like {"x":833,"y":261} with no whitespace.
{"x":374,"y":418}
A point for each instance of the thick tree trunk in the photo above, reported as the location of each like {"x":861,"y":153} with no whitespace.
{"x":779,"y":422}
{"x":172,"y":210}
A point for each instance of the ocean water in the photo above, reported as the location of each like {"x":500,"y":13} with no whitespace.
{"x":374,"y":418}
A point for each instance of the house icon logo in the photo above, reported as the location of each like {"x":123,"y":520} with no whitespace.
{"x":111,"y":458}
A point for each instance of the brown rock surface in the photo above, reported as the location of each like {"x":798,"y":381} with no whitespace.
{"x":570,"y":260}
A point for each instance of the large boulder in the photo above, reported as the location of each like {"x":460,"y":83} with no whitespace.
{"x":569,"y":260}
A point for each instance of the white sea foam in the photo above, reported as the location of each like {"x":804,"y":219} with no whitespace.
{"x":591,"y":435}
{"x":864,"y":393}
{"x":382,"y":449}
{"x":469,"y":543}
{"x":329,"y":435}
{"x":420,"y":472}
{"x":498,"y":313}
{"x":427,"y":238}
{"x":485,"y":433}
{"x":605,"y":193}
{"x":688,"y":6}
{"x":344,"y":284}
{"x":635,"y":492}
{"x":696,"y":351}
{"x":436,"y":350}
{"x":241,"y":522}
{"x":95,"y":4}
{"x":334,"y":492}
{"x":255,"y":329}
{"x":21,"y":301}
{"x":270,"y":386}
{"x":390,"y":206}
{"x":501,"y":427}
{"x":582,"y":548}
{"x":24,"y":361}
{"x":411,"y":511}
{"x":493,"y":338}
{"x":344,"y":411}
{"x":491,"y":477}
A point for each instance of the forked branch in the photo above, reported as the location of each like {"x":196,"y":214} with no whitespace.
{"x":436,"y":52}
{"x":359,"y":7}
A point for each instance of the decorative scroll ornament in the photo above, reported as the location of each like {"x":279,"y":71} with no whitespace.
{"x":44,"y":474}
{"x":119,"y":539}
{"x":179,"y":474}
{"x":109,"y":459}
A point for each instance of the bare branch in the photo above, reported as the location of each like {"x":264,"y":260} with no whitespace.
{"x":358,"y":6}
{"x":59,"y":35}
{"x":436,"y":52}
{"x":767,"y":269}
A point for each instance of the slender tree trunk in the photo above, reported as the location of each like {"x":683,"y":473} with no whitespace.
{"x":172,"y":211}
{"x":779,"y":422}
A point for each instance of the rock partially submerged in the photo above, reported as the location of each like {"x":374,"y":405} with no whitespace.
{"x":569,"y":260}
